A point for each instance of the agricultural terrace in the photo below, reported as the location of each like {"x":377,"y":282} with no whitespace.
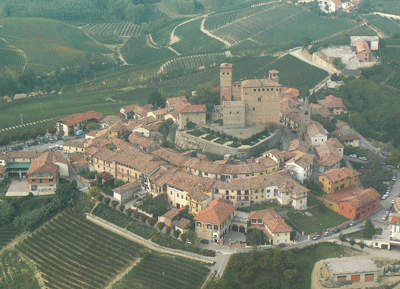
{"x":72,"y":252}
{"x":390,"y":54}
{"x":47,"y":43}
{"x":7,"y":233}
{"x":193,"y":41}
{"x":192,"y":62}
{"x":11,"y":57}
{"x":277,"y":26}
{"x":141,"y":50}
{"x":388,"y":26}
{"x":343,"y":38}
{"x":158,"y":271}
{"x":394,"y":79}
{"x":120,"y":28}
{"x":15,"y":272}
{"x":58,"y":106}
{"x":391,"y":7}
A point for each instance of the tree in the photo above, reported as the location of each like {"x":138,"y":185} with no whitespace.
{"x":61,"y":133}
{"x":161,"y":225}
{"x":5,"y":139}
{"x":106,"y":200}
{"x":100,"y":197}
{"x":151,"y":221}
{"x":352,"y":242}
{"x":129,"y":212}
{"x":342,"y":238}
{"x":92,"y":125}
{"x":156,"y":100}
{"x":191,"y":235}
{"x":52,"y":130}
{"x":121,"y":207}
{"x":114,"y":203}
{"x":361,"y":244}
{"x":34,"y":133}
{"x":165,"y":126}
{"x":6,"y":213}
{"x":183,"y":237}
{"x":368,"y":230}
{"x":94,"y":191}
{"x":23,"y":135}
{"x":143,"y":218}
{"x":167,"y":230}
{"x":176,"y":233}
{"x":291,"y":275}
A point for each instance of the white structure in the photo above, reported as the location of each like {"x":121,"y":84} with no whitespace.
{"x":300,"y":167}
{"x":125,"y":193}
{"x":373,"y":41}
{"x":318,"y":135}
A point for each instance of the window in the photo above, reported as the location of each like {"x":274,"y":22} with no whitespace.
{"x":254,"y":108}
{"x":171,"y":193}
{"x":198,"y":224}
{"x":255,"y":89}
{"x":50,"y":175}
{"x":209,"y":226}
{"x":237,"y":112}
{"x":215,"y":227}
{"x":259,"y":99}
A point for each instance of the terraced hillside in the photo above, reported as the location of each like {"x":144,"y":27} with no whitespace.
{"x":74,"y":253}
{"x":386,"y":25}
{"x":45,"y":44}
{"x":120,"y":28}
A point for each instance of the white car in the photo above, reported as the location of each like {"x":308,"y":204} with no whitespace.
{"x":384,"y":197}
{"x":392,"y":202}
{"x":363,"y":158}
{"x":353,"y":156}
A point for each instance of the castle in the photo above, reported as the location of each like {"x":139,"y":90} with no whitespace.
{"x":249,"y":102}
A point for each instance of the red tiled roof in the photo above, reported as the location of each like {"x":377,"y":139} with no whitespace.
{"x":395,"y":220}
{"x":182,"y":223}
{"x":366,"y":197}
{"x":136,"y":109}
{"x":189,"y":108}
{"x":216,"y":212}
{"x":332,"y":101}
{"x":336,"y":175}
{"x":81,"y":117}
{"x":265,"y":82}
{"x":272,"y":220}
{"x":44,"y":164}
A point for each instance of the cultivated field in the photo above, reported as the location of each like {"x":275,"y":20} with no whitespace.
{"x":119,"y":28}
{"x":388,"y":26}
{"x":15,"y":272}
{"x":7,"y":233}
{"x":164,"y":272}
{"x":74,"y":253}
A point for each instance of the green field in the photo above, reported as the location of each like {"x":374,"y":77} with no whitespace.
{"x":15,"y":273}
{"x":157,"y":271}
{"x":119,"y":28}
{"x":388,"y":26}
{"x":47,"y":43}
{"x":7,"y":233}
{"x":74,"y":253}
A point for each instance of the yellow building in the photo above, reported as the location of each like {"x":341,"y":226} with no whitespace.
{"x":338,"y":179}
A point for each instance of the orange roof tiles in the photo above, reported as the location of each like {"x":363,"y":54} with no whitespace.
{"x":191,"y":108}
{"x":81,"y":117}
{"x":332,"y":101}
{"x":336,"y":175}
{"x":272,"y":220}
{"x":216,"y":212}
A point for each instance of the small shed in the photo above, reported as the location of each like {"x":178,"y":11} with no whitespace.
{"x":127,"y":192}
{"x":182,"y":225}
{"x":169,"y":217}
{"x":352,"y":269}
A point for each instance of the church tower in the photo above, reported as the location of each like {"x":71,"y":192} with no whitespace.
{"x":225,"y":76}
{"x":305,"y":118}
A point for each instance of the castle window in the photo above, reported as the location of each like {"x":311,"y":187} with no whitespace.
{"x":259,"y":99}
{"x":263,"y":89}
{"x":272,"y":89}
{"x":223,"y":73}
{"x":237,"y":112}
{"x":259,"y":89}
{"x":254,"y":108}
{"x":230,"y":112}
{"x":255,"y":89}
{"x":238,"y":85}
{"x":267,"y":89}
{"x":227,"y":73}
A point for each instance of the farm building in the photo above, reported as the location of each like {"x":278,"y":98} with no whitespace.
{"x":372,"y":41}
{"x":71,"y":124}
{"x":352,"y":269}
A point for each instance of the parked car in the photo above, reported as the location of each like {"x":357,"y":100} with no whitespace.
{"x":337,"y":230}
{"x":363,"y":158}
{"x":354,"y":156}
{"x":384,"y":217}
{"x":392,"y":202}
{"x":317,"y":237}
{"x":384,"y":197}
{"x":352,"y":223}
{"x":327,"y":233}
{"x":204,"y":242}
{"x":361,"y":227}
{"x":282,"y":245}
{"x":345,"y":226}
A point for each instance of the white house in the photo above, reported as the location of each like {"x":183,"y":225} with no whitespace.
{"x":317,"y":134}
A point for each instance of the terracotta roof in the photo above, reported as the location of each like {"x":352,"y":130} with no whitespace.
{"x":175,"y":102}
{"x":324,"y":112}
{"x":299,"y":145}
{"x":171,"y":214}
{"x":182,"y":223}
{"x":124,"y":188}
{"x":75,"y":144}
{"x":276,"y":153}
{"x":265,"y":82}
{"x":160,"y":111}
{"x":341,"y":123}
{"x":106,"y":176}
{"x":216,"y":212}
{"x":334,"y":142}
{"x":332,"y":102}
{"x":337,"y":2}
{"x":170,"y":156}
{"x":136,"y":109}
{"x":272,"y":220}
{"x":395,"y":220}
{"x":362,"y":45}
{"x":226,"y":65}
{"x":364,"y":198}
{"x":24,"y":154}
{"x":45,"y":163}
{"x":315,"y":129}
{"x":343,"y":194}
{"x":190,"y":108}
{"x":110,"y":119}
{"x":305,"y":160}
{"x":81,"y":117}
{"x":290,"y":92}
{"x":336,"y":175}
{"x":349,"y":137}
{"x":328,"y":155}
{"x":138,"y":139}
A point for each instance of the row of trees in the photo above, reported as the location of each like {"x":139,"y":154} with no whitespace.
{"x":25,"y":134}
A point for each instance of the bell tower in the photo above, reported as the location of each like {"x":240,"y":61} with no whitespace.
{"x":305,"y":118}
{"x":225,"y":87}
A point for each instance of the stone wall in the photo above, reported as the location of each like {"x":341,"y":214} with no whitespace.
{"x":188,"y":141}
{"x":321,"y":59}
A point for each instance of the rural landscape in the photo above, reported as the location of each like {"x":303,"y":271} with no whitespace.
{"x":199,"y":144}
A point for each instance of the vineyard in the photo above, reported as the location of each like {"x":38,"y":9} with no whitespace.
{"x":388,"y":26}
{"x":277,"y":26}
{"x":15,"y":272}
{"x":191,"y":62}
{"x":74,"y":253}
{"x":120,"y":28}
{"x":47,"y":43}
{"x":343,"y":37}
{"x":11,"y":57}
{"x":141,"y":50}
{"x":164,"y":272}
{"x":7,"y":233}
{"x":193,"y":41}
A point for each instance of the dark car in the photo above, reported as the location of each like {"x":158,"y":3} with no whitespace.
{"x":204,"y":242}
{"x":345,"y":226}
{"x":337,"y":230}
{"x":282,"y":245}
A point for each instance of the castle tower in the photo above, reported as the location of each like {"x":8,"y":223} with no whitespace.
{"x":225,"y":76}
{"x":305,"y":120}
{"x":274,"y":75}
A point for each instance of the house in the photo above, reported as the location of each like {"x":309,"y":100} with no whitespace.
{"x":78,"y":162}
{"x":348,"y":139}
{"x":134,"y":111}
{"x":333,"y":104}
{"x":182,"y":225}
{"x":127,"y":192}
{"x":363,"y":51}
{"x":338,"y":179}
{"x":71,"y":124}
{"x":354,"y":269}
{"x":353,"y":202}
{"x":301,"y":167}
{"x":394,"y":228}
{"x":195,"y":113}
{"x":372,"y":41}
{"x":279,"y":157}
{"x":18,"y":162}
{"x":109,"y":120}
{"x":176,"y":102}
{"x":317,"y":134}
{"x":330,"y":155}
{"x":272,"y":225}
{"x":214,"y":222}
{"x":169,"y":217}
{"x":330,"y":6}
{"x":74,"y":147}
{"x":45,"y":171}
{"x":144,"y":143}
{"x":159,"y":114}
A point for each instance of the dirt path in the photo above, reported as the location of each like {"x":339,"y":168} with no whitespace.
{"x":315,"y":275}
{"x":122,"y":274}
{"x":202,"y":29}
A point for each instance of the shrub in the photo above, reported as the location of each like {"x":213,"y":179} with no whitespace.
{"x":121,"y":207}
{"x":100,"y":197}
{"x":167,"y":230}
{"x":106,"y":200}
{"x":136,"y":215}
{"x":176,"y":233}
{"x":143,"y":218}
{"x":129,"y":212}
{"x":183,"y":237}
{"x":114,"y":203}
{"x":161,"y":225}
{"x":361,"y":244}
{"x":93,"y":192}
{"x":352,"y":242}
{"x":152,"y":221}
